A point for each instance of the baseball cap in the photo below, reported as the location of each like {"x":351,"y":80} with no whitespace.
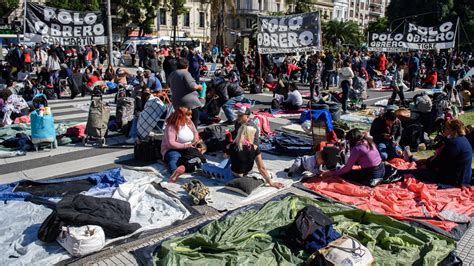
{"x":243,"y":111}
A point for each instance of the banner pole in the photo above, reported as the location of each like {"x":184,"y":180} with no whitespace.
{"x":109,"y":36}
{"x":24,"y":23}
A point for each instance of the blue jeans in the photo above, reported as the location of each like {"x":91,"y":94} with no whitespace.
{"x":228,"y":107}
{"x":133,"y":129}
{"x":387,"y":151}
{"x":452,"y":81}
{"x":345,"y":94}
{"x":172,"y":157}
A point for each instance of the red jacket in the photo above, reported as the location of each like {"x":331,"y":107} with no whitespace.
{"x":431,"y":78}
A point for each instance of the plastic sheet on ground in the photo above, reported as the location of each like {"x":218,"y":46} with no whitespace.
{"x":257,"y":237}
{"x":224,"y":199}
{"x":20,"y":220}
{"x":409,"y":199}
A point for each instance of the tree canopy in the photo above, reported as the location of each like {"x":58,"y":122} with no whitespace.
{"x":7,"y":6}
{"x":337,"y":32}
{"x":379,"y":25}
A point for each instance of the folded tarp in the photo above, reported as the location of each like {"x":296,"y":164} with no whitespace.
{"x":449,"y":210}
{"x":255,"y":237}
{"x":60,"y":187}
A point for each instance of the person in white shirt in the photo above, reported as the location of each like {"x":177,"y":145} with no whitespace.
{"x":294,"y":99}
{"x":345,"y":75}
{"x":23,"y":75}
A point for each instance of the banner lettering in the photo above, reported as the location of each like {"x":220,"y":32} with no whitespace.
{"x":289,"y":34}
{"x":64,"y":27}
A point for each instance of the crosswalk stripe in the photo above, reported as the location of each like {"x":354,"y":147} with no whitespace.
{"x":62,"y":168}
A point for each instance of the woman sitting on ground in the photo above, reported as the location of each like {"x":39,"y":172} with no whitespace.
{"x":242,"y":154}
{"x":93,"y":79}
{"x":452,"y":163}
{"x":179,"y":136}
{"x":363,"y":153}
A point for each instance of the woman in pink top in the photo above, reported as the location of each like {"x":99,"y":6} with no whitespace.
{"x":180,"y":135}
{"x":364,"y":153}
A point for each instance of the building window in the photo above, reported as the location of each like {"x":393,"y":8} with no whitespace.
{"x":186,"y":19}
{"x":202,"y":19}
{"x":249,"y":4}
{"x":237,"y":23}
{"x":248,"y":23}
{"x":162,"y":16}
{"x":351,"y":13}
{"x":278,"y":7}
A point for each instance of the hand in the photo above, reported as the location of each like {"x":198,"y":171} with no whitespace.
{"x":326,"y":174}
{"x":276,"y":184}
{"x":195,"y":143}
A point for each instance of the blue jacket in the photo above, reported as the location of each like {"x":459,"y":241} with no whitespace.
{"x":454,"y":162}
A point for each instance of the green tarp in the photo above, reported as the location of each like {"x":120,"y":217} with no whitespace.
{"x":254,"y":238}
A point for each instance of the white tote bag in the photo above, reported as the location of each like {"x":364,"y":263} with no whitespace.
{"x":80,"y":241}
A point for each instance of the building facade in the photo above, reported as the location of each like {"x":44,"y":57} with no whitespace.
{"x":364,"y":11}
{"x":194,"y":24}
{"x":341,"y":10}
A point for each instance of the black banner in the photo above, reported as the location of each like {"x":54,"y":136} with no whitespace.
{"x":68,"y":28}
{"x":386,"y":42}
{"x":431,"y":38}
{"x":415,"y":37}
{"x":289,"y":34}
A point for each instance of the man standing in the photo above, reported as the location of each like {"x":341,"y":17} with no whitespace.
{"x":184,"y":90}
{"x":328,"y":70}
{"x":195,"y":61}
{"x":132,"y":50}
{"x":413,"y":70}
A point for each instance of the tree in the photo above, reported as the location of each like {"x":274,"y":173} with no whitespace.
{"x":337,"y":32}
{"x":141,"y":14}
{"x":76,"y":5}
{"x":220,"y":7}
{"x":6,"y":6}
{"x":301,"y":6}
{"x":379,"y":25}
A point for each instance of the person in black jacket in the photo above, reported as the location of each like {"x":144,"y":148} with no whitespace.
{"x":170,"y":65}
{"x":387,"y":132}
{"x":230,"y":93}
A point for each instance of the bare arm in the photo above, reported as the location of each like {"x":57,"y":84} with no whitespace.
{"x":263,"y":171}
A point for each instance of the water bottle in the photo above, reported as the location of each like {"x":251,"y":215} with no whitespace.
{"x":202,"y":94}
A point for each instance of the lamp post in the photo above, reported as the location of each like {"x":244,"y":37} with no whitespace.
{"x":412,"y":16}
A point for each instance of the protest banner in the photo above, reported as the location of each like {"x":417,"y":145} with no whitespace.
{"x":442,"y":36}
{"x":289,"y":34}
{"x":64,"y":27}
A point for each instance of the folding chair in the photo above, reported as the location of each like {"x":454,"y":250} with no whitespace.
{"x":163,"y":95}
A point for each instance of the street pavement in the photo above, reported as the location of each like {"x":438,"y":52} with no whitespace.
{"x":76,"y":159}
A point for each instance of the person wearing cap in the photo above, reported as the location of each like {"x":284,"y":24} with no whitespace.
{"x":184,"y":90}
{"x":229,"y":94}
{"x":153,"y":82}
{"x":243,"y":118}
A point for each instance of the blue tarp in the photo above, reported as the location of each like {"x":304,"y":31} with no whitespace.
{"x":106,"y":179}
{"x":315,"y":115}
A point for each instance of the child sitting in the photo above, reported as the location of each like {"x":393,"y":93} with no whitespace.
{"x":326,"y":159}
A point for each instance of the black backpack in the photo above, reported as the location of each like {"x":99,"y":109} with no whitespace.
{"x":214,"y":137}
{"x":311,"y":229}
{"x":412,"y":136}
{"x":255,"y":89}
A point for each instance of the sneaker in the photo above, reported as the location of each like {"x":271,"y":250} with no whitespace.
{"x":130,"y":141}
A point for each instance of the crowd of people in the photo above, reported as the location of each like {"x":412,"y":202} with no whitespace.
{"x":178,"y":74}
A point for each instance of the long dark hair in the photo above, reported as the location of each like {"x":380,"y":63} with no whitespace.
{"x":355,"y":136}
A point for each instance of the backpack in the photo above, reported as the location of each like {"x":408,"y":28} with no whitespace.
{"x":124,"y":112}
{"x":147,"y":151}
{"x":312,"y":230}
{"x":255,"y":89}
{"x":412,"y":136}
{"x":214,"y":137}
{"x":423,"y":103}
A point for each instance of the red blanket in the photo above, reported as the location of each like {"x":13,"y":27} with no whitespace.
{"x":409,"y":199}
